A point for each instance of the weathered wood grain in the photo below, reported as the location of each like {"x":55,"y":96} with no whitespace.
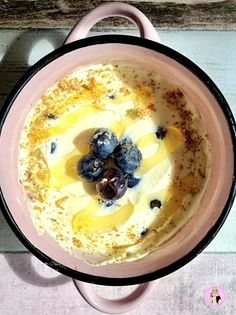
{"x":29,"y":287}
{"x":163,"y":14}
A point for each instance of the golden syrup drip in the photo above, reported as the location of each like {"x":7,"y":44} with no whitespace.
{"x":168,"y":145}
{"x":65,"y":172}
{"x":87,"y":221}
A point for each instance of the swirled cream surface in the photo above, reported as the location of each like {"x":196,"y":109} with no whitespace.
{"x":134,"y":103}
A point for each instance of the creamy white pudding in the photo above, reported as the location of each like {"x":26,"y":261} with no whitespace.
{"x":134,"y":103}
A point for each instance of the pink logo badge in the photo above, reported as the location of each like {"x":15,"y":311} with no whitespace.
{"x":214,"y":296}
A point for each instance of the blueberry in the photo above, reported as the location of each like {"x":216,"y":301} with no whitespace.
{"x":155,"y":203}
{"x":127,"y":157}
{"x":126,"y":141}
{"x":109,"y":203}
{"x":53,"y":147}
{"x":103,"y":142}
{"x":112,"y":184}
{"x":51,"y":116}
{"x":161,"y":132}
{"x":144,"y":232}
{"x":106,"y":203}
{"x":132,"y":181}
{"x":90,"y":167}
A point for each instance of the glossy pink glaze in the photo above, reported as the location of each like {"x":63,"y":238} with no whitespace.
{"x":217,"y":128}
{"x":106,"y":10}
{"x":123,"y":305}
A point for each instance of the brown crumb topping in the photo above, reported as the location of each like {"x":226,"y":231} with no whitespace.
{"x":193,"y":141}
{"x":59,"y":202}
{"x":77,"y":243}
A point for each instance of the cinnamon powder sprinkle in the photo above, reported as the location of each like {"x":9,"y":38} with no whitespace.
{"x":176,"y":102}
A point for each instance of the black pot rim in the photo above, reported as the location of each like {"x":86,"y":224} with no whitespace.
{"x":202,"y":76}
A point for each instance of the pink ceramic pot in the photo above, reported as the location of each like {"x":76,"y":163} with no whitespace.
{"x":146,"y":52}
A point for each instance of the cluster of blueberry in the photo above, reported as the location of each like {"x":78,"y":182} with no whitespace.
{"x":112,"y":182}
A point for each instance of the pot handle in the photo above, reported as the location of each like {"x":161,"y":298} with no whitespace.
{"x":119,"y":306}
{"x":110,"y":9}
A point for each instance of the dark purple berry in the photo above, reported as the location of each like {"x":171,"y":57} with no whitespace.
{"x":112,"y":184}
{"x":161,"y":132}
{"x":155,"y":203}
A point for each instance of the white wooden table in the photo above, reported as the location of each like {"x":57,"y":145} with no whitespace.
{"x":28,"y":287}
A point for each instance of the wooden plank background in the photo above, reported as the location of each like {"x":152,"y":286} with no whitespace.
{"x":208,"y":14}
